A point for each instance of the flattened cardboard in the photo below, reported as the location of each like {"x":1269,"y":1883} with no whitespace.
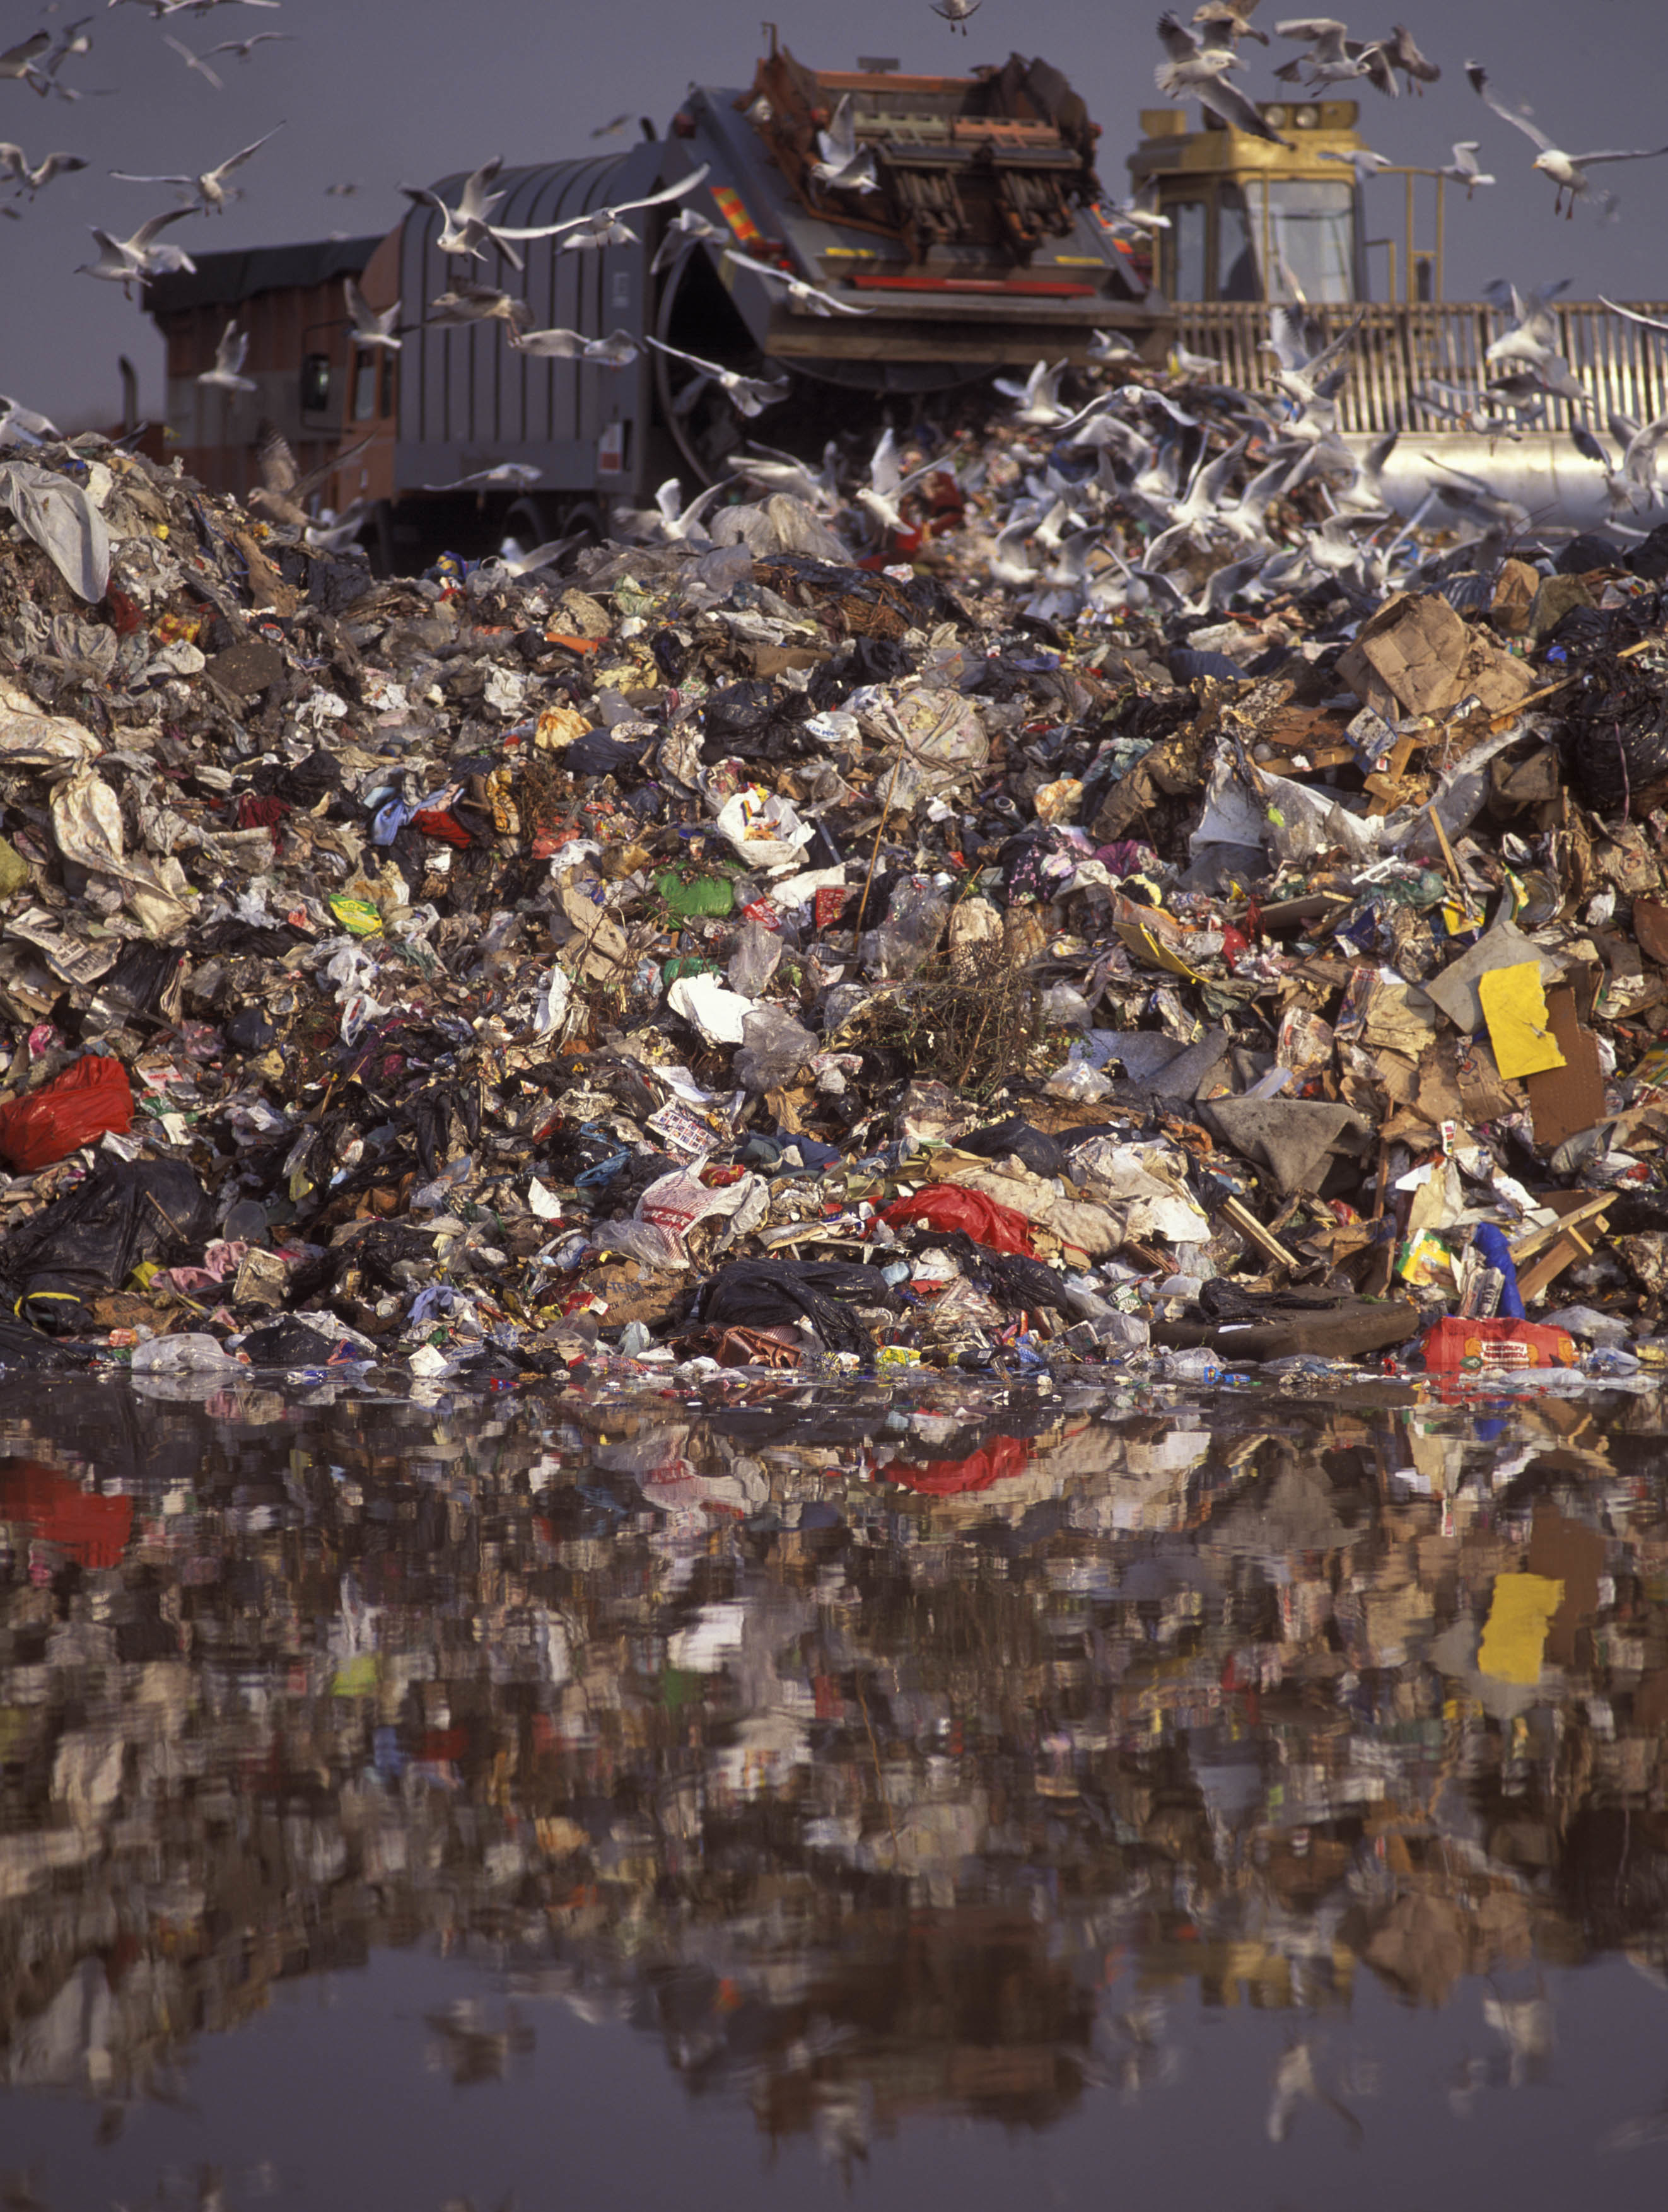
{"x":1418,"y":655}
{"x":1565,"y":1100}
{"x":1651,"y":929}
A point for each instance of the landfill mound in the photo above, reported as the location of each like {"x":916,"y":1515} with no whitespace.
{"x":947,"y":927}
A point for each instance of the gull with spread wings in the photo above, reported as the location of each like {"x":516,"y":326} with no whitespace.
{"x":1568,"y":171}
{"x":282,"y":489}
{"x":748,"y":395}
{"x":372,"y":326}
{"x":803,"y":296}
{"x":123,"y":260}
{"x":227,"y":374}
{"x":1197,"y":68}
{"x":209,"y":185}
{"x":13,"y":163}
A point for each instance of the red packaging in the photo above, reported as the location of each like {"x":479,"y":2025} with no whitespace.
{"x":1457,"y":1343}
{"x":948,"y":1206}
{"x":437,"y":821}
{"x":81,"y":1104}
{"x":830,"y":905}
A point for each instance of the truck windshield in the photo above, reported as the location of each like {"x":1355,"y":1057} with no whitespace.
{"x":1306,"y":237}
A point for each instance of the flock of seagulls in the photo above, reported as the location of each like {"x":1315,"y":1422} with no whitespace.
{"x":1201,"y":56}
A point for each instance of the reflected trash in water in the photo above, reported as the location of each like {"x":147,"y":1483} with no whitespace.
{"x":916,"y":1752}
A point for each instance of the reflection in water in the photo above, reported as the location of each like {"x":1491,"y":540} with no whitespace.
{"x":881,"y":1757}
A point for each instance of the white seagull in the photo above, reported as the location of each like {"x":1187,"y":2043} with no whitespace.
{"x":1568,"y":171}
{"x":1334,"y":57}
{"x":209,"y":185}
{"x":229,"y":359}
{"x":1464,"y":168}
{"x":13,"y":163}
{"x":802,"y":295}
{"x":956,"y":12}
{"x":845,"y":167}
{"x":748,"y":395}
{"x":685,"y":229}
{"x":122,"y":260}
{"x":193,"y":61}
{"x":1198,"y":68}
{"x":372,"y":326}
{"x":617,"y":350}
{"x":603,"y":226}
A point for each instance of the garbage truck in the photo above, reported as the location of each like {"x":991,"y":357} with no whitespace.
{"x":977,"y":239}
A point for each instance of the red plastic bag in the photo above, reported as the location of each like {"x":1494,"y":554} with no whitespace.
{"x":92,"y":1529}
{"x":79,"y":1105}
{"x":948,"y":1205}
{"x":1456,"y":1343}
{"x":999,"y":1460}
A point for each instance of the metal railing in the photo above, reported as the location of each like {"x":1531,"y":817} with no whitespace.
{"x":1402,"y":348}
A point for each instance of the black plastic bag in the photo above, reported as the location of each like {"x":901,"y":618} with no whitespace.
{"x":1043,"y":1154}
{"x":92,"y":1240}
{"x":766,"y":1293}
{"x":1615,"y":740}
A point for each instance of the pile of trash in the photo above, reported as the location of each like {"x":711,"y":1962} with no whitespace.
{"x":743,"y":950}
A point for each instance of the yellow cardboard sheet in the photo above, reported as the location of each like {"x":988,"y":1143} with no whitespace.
{"x":1514,"y":1007}
{"x":1515,"y":1635}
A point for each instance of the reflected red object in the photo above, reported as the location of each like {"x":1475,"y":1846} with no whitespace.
{"x":93,"y":1530}
{"x":89,"y":1097}
{"x":999,"y":1460}
{"x":948,"y":1206}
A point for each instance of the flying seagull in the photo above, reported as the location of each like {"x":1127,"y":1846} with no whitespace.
{"x":1334,"y":57}
{"x":18,"y":60}
{"x":687,"y":229}
{"x":372,"y":326}
{"x":1195,"y":68}
{"x":209,"y":185}
{"x":845,"y":167}
{"x":617,"y":350}
{"x":283,"y":487}
{"x":1364,"y":162}
{"x":502,"y":477}
{"x":1568,"y":171}
{"x":1401,"y":54}
{"x":1464,"y":168}
{"x":244,"y":47}
{"x":602,"y":226}
{"x":193,"y":61}
{"x":15,"y":164}
{"x":956,"y":12}
{"x":749,"y":395}
{"x":477,"y":303}
{"x":1225,"y":22}
{"x":227,"y":374}
{"x":803,"y":296}
{"x":121,"y":260}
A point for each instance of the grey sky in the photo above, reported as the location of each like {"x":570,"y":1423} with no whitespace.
{"x":404,"y":91}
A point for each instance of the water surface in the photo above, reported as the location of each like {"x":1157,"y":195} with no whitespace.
{"x":935,"y":1797}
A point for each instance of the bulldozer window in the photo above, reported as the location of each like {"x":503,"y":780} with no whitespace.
{"x":1239,"y":277}
{"x":1307,"y":236}
{"x":1189,"y":276}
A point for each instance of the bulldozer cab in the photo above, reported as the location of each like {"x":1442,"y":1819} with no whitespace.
{"x":1250,"y":220}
